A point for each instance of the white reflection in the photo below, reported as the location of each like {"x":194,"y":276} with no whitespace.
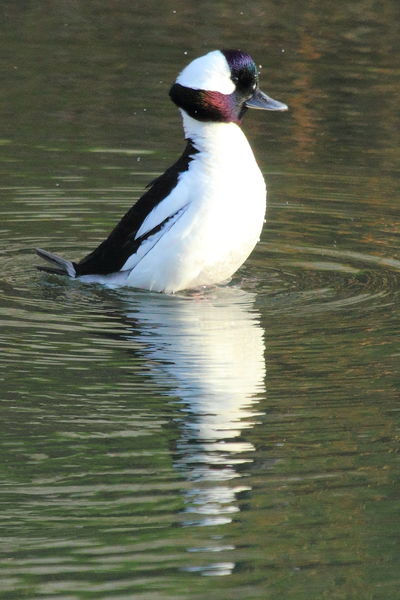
{"x":207,"y":351}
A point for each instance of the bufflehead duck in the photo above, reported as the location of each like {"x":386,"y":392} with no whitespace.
{"x":199,"y":221}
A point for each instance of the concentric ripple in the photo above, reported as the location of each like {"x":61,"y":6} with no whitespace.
{"x":321,"y":279}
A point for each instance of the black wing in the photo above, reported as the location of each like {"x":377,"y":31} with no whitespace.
{"x":110,"y":256}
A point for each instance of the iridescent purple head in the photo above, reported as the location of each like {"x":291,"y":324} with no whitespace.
{"x":220,"y":86}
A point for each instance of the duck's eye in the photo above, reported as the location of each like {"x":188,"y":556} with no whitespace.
{"x":253,"y":87}
{"x":235,"y":79}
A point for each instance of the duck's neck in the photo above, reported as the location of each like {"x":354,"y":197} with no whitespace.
{"x":214,"y":137}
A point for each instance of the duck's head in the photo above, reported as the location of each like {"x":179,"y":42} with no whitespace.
{"x":220,"y":86}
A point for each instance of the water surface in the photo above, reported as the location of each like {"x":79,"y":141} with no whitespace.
{"x":239,"y":441}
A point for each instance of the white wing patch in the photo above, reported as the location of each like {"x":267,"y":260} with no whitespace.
{"x":171,"y":204}
{"x":151,"y":241}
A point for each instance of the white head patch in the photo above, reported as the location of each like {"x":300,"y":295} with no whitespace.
{"x":209,"y":72}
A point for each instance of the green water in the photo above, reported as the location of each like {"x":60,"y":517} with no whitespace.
{"x":238,"y":442}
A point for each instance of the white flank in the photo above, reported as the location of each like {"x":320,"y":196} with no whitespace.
{"x":145,"y":247}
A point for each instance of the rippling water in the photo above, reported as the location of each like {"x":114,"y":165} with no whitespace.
{"x":238,"y":441}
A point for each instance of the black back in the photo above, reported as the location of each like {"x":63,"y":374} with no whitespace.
{"x":110,"y":256}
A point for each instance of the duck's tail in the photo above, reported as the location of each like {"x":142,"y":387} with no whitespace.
{"x":64,"y":267}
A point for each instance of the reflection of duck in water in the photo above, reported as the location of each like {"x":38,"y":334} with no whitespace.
{"x":200,"y":220}
{"x":210,"y":351}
